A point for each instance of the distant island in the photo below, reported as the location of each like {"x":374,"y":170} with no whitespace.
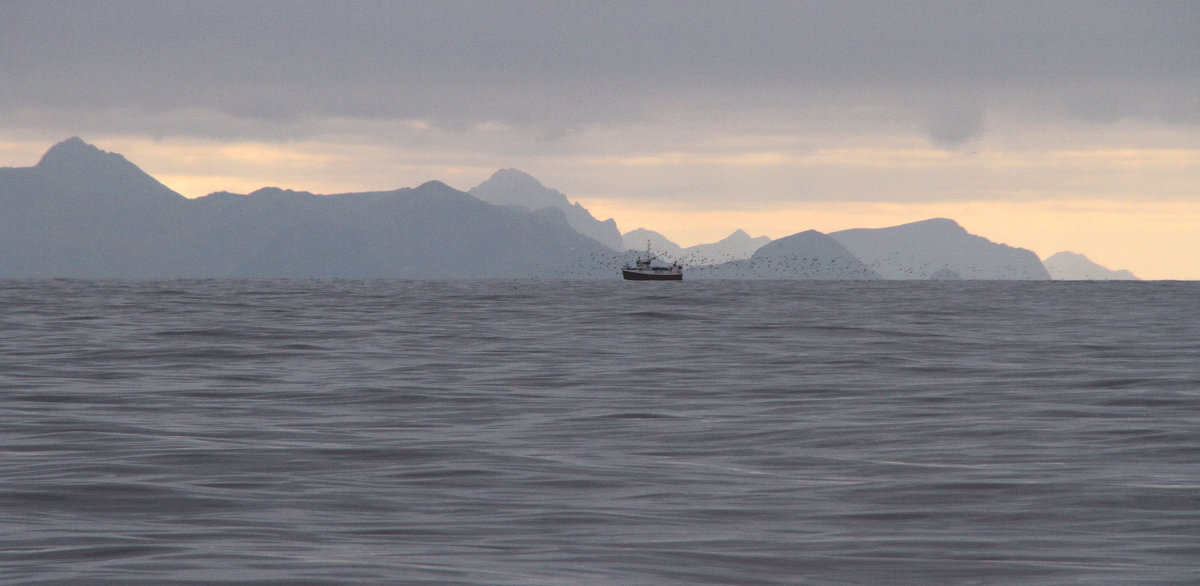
{"x":82,"y":212}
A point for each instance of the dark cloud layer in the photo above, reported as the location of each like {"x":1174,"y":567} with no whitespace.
{"x":258,"y":68}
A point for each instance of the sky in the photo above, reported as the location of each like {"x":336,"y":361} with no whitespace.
{"x":1046,"y":125}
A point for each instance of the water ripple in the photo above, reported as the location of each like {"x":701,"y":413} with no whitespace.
{"x":524,"y":432}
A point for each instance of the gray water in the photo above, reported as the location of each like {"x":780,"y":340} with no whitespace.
{"x":607,"y":432}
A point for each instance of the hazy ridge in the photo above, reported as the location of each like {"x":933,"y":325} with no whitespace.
{"x":83,"y":212}
{"x":1072,"y":266}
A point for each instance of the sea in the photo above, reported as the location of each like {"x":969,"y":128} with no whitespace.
{"x":599,"y":432}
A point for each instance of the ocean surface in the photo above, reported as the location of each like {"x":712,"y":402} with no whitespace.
{"x":605,"y":432}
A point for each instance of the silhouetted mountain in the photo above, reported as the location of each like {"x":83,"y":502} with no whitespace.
{"x":807,"y":255}
{"x":921,"y":249}
{"x":432,"y":231}
{"x":1071,"y":266}
{"x":637,"y":240}
{"x":55,"y":222}
{"x":80,"y":169}
{"x":84,"y":212}
{"x":736,"y":246}
{"x":515,"y":188}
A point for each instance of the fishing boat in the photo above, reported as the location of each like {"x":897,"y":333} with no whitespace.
{"x":642,"y":270}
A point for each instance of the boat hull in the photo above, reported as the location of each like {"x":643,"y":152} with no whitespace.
{"x":651,"y":276}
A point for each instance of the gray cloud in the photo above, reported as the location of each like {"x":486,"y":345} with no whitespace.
{"x":950,"y":125}
{"x":269,"y":68}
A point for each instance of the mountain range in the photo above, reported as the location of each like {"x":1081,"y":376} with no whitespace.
{"x":938,"y":248}
{"x":81,"y":212}
{"x":806,"y":255}
{"x":736,"y":246}
{"x":1072,"y":266}
{"x":84,"y":213}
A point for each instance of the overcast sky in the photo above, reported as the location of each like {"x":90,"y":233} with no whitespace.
{"x":1047,"y":125}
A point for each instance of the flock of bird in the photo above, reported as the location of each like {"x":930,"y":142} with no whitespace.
{"x":600,"y":263}
{"x":786,"y":266}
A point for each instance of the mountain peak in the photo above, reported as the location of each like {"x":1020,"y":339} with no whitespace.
{"x":741,"y":237}
{"x":804,"y":255}
{"x":74,"y":142}
{"x":510,"y":187}
{"x":513,"y":187}
{"x":83,"y":168}
{"x":637,"y":240}
{"x":516,"y":177}
{"x":270,"y":191}
{"x":938,"y":224}
{"x":73,"y":152}
{"x":435,"y":185}
{"x":808,"y":239}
